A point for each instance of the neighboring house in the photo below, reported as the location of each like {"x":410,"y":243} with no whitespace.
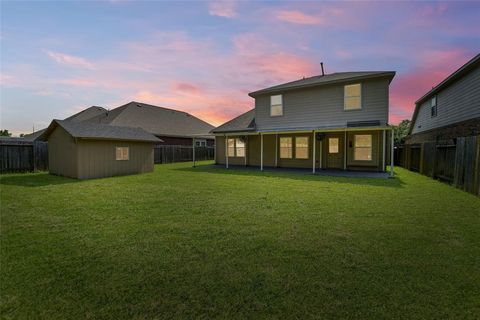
{"x":451,"y":109}
{"x":335,"y":121}
{"x":172,"y":126}
{"x":86,"y":150}
{"x":83,"y":115}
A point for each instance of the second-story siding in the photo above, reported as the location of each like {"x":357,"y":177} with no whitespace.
{"x":458,"y":102}
{"x":323,"y":106}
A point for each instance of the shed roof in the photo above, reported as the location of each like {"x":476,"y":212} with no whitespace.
{"x":244,"y":122}
{"x":324,"y":80}
{"x":89,"y":130}
{"x":83,"y":115}
{"x":157,"y":120}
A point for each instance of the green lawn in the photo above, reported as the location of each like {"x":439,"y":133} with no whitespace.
{"x":210,"y":243}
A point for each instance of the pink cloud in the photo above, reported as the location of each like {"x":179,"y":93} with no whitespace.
{"x":186,"y":87}
{"x":298,"y":17}
{"x":224,"y":9}
{"x":70,"y":60}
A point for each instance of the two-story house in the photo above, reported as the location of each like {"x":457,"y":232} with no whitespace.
{"x":334,"y":121}
{"x":451,"y":109}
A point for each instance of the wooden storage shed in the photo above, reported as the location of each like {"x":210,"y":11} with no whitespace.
{"x":85,"y":150}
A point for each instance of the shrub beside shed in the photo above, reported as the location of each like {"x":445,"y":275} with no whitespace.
{"x":85,"y":150}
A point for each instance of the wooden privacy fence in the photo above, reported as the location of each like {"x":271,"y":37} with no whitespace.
{"x":170,"y":154}
{"x":17,"y":155}
{"x":456,"y":162}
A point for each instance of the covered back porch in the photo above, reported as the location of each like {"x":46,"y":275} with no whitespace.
{"x":347,"y":149}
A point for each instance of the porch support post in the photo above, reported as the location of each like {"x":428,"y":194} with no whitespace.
{"x":345,"y":151}
{"x":391,"y":156}
{"x":261,"y":152}
{"x":245,"y":150}
{"x":313,"y":151}
{"x":320,"y":158}
{"x":226,"y":151}
{"x":193,"y":151}
{"x":384,"y":149}
{"x":276,"y":150}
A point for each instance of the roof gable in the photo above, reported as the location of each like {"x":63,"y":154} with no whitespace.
{"x":338,"y":77}
{"x":244,"y":122}
{"x":88,"y":130}
{"x":157,"y":120}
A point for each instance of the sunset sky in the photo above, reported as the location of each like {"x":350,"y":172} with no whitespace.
{"x":58,"y":58}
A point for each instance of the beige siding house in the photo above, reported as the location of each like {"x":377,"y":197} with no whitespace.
{"x":87,"y":150}
{"x":336,"y":121}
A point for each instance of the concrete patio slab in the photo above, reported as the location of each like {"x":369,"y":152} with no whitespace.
{"x":320,"y":172}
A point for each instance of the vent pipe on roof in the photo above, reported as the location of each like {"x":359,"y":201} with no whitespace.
{"x":321,"y":64}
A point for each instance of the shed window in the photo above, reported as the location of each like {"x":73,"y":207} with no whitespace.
{"x":363,"y":147}
{"x":353,"y":97}
{"x":122,"y":153}
{"x":286,"y":147}
{"x":231,"y":147}
{"x":433,"y":108}
{"x":276,"y":106}
{"x":240,"y":147}
{"x":301,"y":147}
{"x":332,"y":145}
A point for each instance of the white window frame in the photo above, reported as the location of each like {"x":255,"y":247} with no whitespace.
{"x":355,"y":147}
{"x":307,"y":147}
{"x":122,"y":153}
{"x":433,"y":106}
{"x":345,"y":97}
{"x":291,"y":147}
{"x":237,"y":140}
{"x":329,"y":145}
{"x":200,"y":143}
{"x":276,"y":105}
{"x":232,"y":147}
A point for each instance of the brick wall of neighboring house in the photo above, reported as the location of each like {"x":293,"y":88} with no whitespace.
{"x":461,"y":129}
{"x":179,"y":141}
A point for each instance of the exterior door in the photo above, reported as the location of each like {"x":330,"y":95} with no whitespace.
{"x":334,"y":150}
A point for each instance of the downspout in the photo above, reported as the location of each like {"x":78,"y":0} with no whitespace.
{"x":313,"y":151}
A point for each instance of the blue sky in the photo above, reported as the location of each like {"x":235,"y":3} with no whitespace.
{"x":58,"y":58}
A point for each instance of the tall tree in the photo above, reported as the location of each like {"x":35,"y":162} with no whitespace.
{"x":5,"y":133}
{"x":401,"y":132}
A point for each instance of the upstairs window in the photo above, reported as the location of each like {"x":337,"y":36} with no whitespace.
{"x":301,"y":147}
{"x":352,"y":97}
{"x":231,"y":147}
{"x":362,"y":147}
{"x":433,"y":107}
{"x":122,"y":153}
{"x":276,"y":106}
{"x":286,"y":147}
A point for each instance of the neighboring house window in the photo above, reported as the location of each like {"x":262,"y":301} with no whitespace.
{"x":122,"y":153}
{"x":286,"y":147}
{"x":353,"y":97}
{"x":332,"y":145}
{"x":433,"y":108}
{"x":362,"y":147}
{"x":239,"y":147}
{"x":231,"y":147}
{"x":200,"y":143}
{"x":301,"y":147}
{"x":276,"y":106}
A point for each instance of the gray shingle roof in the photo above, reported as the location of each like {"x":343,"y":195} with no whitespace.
{"x":89,"y":130}
{"x":244,"y":122}
{"x":83,"y":115}
{"x":326,"y":79}
{"x":157,"y":120}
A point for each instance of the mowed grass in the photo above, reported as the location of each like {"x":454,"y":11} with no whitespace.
{"x":210,"y":243}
